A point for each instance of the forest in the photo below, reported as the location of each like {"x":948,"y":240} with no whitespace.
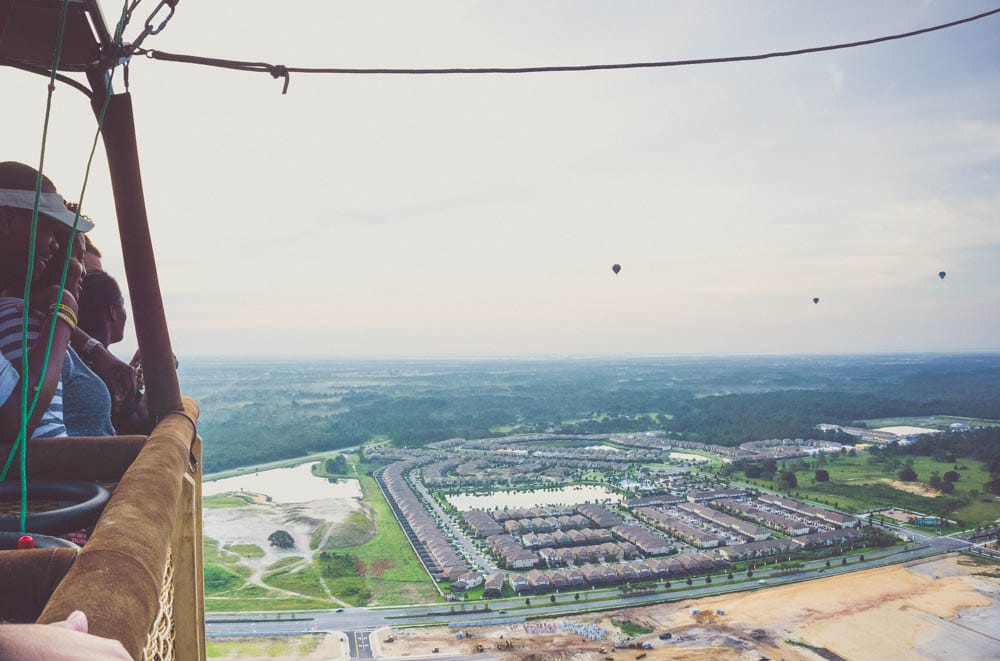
{"x":258,"y":411}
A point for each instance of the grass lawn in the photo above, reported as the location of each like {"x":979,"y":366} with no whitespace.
{"x":388,"y":569}
{"x":257,"y":598}
{"x":246,"y":550}
{"x":631,"y":629}
{"x":224,"y":500}
{"x":283,"y":646}
{"x":858,"y":484}
{"x":223,"y":571}
{"x":297,"y":576}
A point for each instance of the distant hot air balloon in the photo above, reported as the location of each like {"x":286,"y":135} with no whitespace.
{"x":616,"y":268}
{"x":941,"y":274}
{"x":816,"y":299}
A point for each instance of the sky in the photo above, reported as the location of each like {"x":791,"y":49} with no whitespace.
{"x":378,"y":216}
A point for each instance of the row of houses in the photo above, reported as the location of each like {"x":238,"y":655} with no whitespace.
{"x":828,"y":538}
{"x":783,"y":524}
{"x":739,"y":526}
{"x":521,"y":513}
{"x":708,"y":496}
{"x":510,"y":553}
{"x":547,"y":524}
{"x":480,"y":524}
{"x":594,"y":575}
{"x":671,"y":523}
{"x":661,"y":499}
{"x":567,"y":538}
{"x":770,"y":547}
{"x":648,"y":542}
{"x":828,"y":516}
{"x":602,"y":517}
{"x":440,"y":558}
{"x":579,"y":555}
{"x":760,"y":549}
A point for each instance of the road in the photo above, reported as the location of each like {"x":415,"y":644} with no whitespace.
{"x":280,"y":463}
{"x":354,"y":620}
{"x":480,"y":562}
{"x":360,"y":644}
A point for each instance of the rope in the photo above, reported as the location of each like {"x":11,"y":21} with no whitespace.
{"x":281,"y":71}
{"x":21,"y":440}
{"x":26,"y":411}
{"x":43,"y":71}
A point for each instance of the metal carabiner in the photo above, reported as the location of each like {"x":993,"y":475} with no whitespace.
{"x":148,"y":29}
{"x":149,"y":21}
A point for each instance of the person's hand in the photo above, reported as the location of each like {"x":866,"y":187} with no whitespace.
{"x":61,"y":641}
{"x":117,"y":375}
{"x":42,"y":301}
{"x":136,"y":364}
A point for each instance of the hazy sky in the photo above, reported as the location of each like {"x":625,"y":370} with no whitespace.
{"x":480,"y":215}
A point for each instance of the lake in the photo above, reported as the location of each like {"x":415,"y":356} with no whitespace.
{"x":286,"y":485}
{"x":565,"y":496}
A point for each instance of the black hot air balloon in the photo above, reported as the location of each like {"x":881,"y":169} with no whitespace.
{"x":941,"y":274}
{"x":616,"y":268}
{"x":816,"y":299}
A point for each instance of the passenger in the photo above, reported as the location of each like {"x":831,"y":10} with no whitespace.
{"x":92,"y":256}
{"x":17,"y":196}
{"x":87,"y":400}
{"x":102,"y":317}
{"x":102,"y":308}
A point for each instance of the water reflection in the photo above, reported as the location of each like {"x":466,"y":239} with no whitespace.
{"x":286,"y":485}
{"x":564,"y":496}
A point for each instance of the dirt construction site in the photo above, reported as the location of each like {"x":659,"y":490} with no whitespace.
{"x":944,"y":608}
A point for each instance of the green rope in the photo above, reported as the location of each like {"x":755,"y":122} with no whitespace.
{"x":26,"y":411}
{"x":20,"y":442}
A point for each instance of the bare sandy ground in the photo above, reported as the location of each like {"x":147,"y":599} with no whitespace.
{"x":251,"y":524}
{"x":937,"y":609}
{"x":910,"y":487}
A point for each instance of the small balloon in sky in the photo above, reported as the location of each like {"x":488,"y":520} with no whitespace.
{"x":616,"y":268}
{"x":816,"y":300}
{"x":941,"y":274}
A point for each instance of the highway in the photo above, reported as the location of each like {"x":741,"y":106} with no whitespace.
{"x":355,"y":621}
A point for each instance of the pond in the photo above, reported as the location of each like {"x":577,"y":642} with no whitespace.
{"x":286,"y":485}
{"x":574,"y":495}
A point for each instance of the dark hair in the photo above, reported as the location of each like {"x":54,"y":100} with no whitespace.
{"x":23,"y":177}
{"x":91,"y":248}
{"x":99,"y":292}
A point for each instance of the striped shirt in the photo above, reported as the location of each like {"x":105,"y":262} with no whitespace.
{"x":51,"y":422}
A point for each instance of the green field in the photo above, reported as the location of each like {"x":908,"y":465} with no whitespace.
{"x":225,"y":500}
{"x":386,"y":568}
{"x":284,"y":646}
{"x":857,"y":484}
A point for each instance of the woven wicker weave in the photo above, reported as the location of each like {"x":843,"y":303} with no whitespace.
{"x":160,"y":642}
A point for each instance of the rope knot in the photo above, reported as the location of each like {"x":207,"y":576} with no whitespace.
{"x":280,"y":71}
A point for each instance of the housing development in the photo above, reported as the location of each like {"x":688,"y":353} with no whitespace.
{"x":541,"y":513}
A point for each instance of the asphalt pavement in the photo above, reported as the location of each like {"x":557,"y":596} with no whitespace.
{"x":355,"y":620}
